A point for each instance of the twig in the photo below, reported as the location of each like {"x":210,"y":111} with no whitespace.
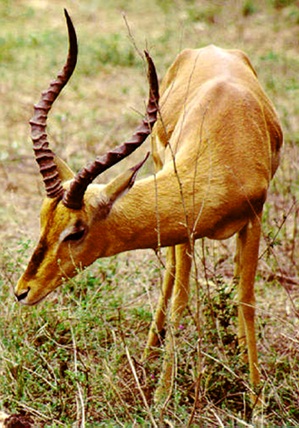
{"x":108,"y":376}
{"x":218,"y":419}
{"x":37,"y":413}
{"x":79,"y":389}
{"x":131,"y":36}
{"x":139,"y":388}
{"x":284,"y":219}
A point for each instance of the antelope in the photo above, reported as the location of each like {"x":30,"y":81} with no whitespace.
{"x":215,"y":139}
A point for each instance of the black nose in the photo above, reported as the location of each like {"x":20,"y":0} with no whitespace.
{"x":22,"y":295}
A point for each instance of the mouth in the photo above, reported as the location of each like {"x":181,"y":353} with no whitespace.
{"x":23,"y":298}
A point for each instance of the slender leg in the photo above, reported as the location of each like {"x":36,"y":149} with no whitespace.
{"x":237,"y":274}
{"x":179,"y":301}
{"x":160,"y":314}
{"x":247,"y":257}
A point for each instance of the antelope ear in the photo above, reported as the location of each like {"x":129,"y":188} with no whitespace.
{"x":122,"y":183}
{"x":64,"y":171}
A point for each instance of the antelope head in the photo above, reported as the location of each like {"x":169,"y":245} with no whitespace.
{"x":72,"y":203}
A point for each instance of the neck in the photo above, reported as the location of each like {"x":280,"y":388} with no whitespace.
{"x":146,"y":217}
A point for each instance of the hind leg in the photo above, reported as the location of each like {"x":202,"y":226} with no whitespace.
{"x":246,"y":263}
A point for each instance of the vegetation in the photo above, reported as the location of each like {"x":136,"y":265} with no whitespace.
{"x":75,"y":359}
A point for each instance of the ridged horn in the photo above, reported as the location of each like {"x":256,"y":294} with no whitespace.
{"x":73,"y":198}
{"x":43,"y":154}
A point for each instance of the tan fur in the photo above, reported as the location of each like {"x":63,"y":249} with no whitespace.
{"x":216,"y":147}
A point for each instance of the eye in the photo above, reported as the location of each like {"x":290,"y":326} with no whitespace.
{"x":76,"y":235}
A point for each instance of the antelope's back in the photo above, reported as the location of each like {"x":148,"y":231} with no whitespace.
{"x":211,"y":94}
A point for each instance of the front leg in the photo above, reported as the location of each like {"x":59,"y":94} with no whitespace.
{"x":179,"y":302}
{"x":157,"y":325}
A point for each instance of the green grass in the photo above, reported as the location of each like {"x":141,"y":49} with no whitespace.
{"x":78,"y":343}
{"x":76,"y":356}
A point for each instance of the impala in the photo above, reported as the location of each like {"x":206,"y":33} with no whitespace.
{"x":215,"y":146}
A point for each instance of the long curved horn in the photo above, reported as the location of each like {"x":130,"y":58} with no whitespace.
{"x":73,"y":198}
{"x":43,"y":154}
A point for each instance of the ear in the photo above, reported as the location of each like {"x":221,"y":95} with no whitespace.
{"x":122,"y":184}
{"x":64,"y":171}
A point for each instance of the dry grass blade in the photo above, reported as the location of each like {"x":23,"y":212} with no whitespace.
{"x":80,"y":400}
{"x":140,"y":389}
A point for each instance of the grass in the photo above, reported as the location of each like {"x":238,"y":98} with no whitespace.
{"x":75,"y":359}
